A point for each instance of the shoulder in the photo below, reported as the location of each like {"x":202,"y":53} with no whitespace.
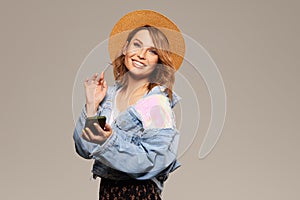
{"x":155,"y":109}
{"x":161,"y":91}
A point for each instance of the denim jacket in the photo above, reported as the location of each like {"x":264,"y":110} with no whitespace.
{"x":144,"y":141}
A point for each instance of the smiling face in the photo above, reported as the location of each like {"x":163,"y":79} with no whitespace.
{"x":146,"y":55}
{"x":140,"y":55}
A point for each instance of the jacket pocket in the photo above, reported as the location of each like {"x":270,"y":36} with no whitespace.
{"x":128,"y":123}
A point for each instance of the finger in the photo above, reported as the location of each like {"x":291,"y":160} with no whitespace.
{"x":102,"y":132}
{"x":88,"y":81}
{"x":99,"y":129}
{"x":107,"y":127}
{"x":107,"y":130}
{"x":89,"y":134}
{"x":84,"y":135}
{"x":96,"y":82}
{"x":91,"y":82}
{"x":94,"y":76}
{"x":105,"y":85}
{"x":100,"y":77}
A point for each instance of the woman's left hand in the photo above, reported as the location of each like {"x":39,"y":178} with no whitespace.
{"x":100,"y":137}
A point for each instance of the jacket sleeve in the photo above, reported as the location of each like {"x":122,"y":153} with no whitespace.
{"x":145,"y":155}
{"x":82,"y":147}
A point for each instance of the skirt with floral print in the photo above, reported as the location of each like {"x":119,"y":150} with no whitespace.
{"x":128,"y":190}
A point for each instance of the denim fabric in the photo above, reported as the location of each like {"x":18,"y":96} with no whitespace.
{"x":134,"y":150}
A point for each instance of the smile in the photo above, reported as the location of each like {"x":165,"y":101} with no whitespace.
{"x":138,"y":64}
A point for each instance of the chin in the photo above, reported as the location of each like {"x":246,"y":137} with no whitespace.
{"x":136,"y":75}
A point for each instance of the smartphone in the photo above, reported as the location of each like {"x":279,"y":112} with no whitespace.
{"x":101,"y":120}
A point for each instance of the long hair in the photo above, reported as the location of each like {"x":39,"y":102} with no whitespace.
{"x":164,"y":72}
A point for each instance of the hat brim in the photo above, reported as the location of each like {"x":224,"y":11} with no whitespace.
{"x":140,"y":18}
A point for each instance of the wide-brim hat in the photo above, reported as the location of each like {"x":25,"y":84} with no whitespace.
{"x":139,"y":18}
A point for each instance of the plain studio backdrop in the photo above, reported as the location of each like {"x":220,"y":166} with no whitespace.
{"x":255,"y":45}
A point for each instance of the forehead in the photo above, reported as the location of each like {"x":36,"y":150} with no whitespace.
{"x":144,"y":37}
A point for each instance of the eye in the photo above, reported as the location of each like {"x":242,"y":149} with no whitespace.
{"x":153,"y":51}
{"x":136,"y":44}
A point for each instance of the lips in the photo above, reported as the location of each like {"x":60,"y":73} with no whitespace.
{"x":138,"y":64}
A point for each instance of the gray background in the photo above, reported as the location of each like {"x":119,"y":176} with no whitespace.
{"x":254,"y":43}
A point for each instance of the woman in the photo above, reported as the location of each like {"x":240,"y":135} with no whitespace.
{"x":136,"y":150}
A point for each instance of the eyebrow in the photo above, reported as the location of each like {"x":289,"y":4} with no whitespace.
{"x":142,"y":42}
{"x":138,"y":40}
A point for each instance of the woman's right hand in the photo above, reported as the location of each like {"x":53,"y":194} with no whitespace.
{"x":95,"y":91}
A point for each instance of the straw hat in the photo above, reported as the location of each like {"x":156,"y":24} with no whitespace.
{"x":139,"y":18}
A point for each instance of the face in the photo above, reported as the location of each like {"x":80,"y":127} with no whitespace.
{"x":140,"y":55}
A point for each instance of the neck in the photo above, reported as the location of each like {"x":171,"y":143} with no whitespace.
{"x":134,"y":84}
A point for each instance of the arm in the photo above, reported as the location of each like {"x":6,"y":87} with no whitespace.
{"x":95,"y":93}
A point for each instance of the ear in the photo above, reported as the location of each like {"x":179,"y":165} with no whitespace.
{"x":124,"y":49}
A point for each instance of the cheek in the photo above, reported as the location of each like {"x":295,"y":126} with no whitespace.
{"x":128,"y":56}
{"x":126,"y":60}
{"x":153,"y":60}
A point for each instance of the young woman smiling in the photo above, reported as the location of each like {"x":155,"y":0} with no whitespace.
{"x":136,"y":150}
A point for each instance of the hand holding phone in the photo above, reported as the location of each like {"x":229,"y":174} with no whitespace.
{"x":101,"y":120}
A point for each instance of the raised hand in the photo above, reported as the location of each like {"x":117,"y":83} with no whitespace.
{"x":95,"y":91}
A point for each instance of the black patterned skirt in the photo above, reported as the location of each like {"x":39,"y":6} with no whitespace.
{"x":128,"y":190}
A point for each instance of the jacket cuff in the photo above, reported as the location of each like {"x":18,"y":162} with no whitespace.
{"x":101,"y":149}
{"x":84,"y":112}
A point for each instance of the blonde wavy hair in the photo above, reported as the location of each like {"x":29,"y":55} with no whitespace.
{"x":164,"y":72}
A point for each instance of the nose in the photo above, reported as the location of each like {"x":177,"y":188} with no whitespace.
{"x":142,"y":53}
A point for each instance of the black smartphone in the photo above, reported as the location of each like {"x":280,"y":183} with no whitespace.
{"x":101,"y":120}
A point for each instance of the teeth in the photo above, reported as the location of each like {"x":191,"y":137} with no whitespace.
{"x":138,"y":63}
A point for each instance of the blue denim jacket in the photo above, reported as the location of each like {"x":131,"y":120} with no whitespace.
{"x":136,"y":149}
